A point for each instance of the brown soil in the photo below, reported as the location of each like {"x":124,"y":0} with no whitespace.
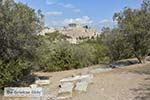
{"x":118,"y":84}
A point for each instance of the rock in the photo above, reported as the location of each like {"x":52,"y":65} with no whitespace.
{"x":70,"y":79}
{"x":147,"y":58}
{"x":65,"y":97}
{"x":65,"y":91}
{"x":78,"y":78}
{"x":49,"y":97}
{"x":33,"y":85}
{"x":99,"y":70}
{"x":81,"y":86}
{"x":123,"y":63}
{"x":88,"y":78}
{"x":67,"y":85}
{"x":42,"y":82}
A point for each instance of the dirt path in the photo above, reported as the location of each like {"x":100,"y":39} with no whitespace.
{"x":118,"y":84}
{"x":112,"y":86}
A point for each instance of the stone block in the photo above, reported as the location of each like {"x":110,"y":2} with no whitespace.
{"x":42,"y":82}
{"x":78,"y":78}
{"x":81,"y":86}
{"x":65,"y":91}
{"x":66,"y":88}
{"x":99,"y":70}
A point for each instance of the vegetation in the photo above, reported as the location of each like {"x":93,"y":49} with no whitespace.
{"x":116,"y":44}
{"x":61,"y":55}
{"x":23,"y":51}
{"x":18,"y":24}
{"x":134,"y":25}
{"x":131,"y":38}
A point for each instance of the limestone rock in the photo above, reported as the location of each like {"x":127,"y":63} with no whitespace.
{"x":78,"y":78}
{"x":42,"y":82}
{"x":99,"y":70}
{"x":65,"y":91}
{"x":81,"y":86}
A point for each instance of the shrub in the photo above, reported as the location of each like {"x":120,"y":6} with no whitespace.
{"x":64,"y":56}
{"x":12,"y":71}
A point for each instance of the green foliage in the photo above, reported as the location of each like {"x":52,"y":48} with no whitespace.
{"x":21,"y":50}
{"x":116,"y":44}
{"x":12,"y":71}
{"x":56,"y":54}
{"x":56,"y":36}
{"x":63,"y":56}
{"x":134,"y":24}
{"x":99,"y":50}
{"x":18,"y":23}
{"x":84,"y":55}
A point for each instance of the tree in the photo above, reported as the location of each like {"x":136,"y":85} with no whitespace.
{"x":18,"y":24}
{"x":41,"y":18}
{"x":134,"y":24}
{"x":146,"y":5}
{"x":116,"y":44}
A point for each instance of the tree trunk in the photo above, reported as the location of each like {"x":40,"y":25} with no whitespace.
{"x":139,"y":59}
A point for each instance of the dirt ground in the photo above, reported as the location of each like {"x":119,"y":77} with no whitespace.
{"x":118,"y":84}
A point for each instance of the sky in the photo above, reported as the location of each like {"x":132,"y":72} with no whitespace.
{"x":96,"y":13}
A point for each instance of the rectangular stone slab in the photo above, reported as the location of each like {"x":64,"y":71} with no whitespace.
{"x":87,"y":77}
{"x":66,"y":88}
{"x":42,"y":82}
{"x":81,"y":86}
{"x":99,"y":70}
{"x":65,"y":91}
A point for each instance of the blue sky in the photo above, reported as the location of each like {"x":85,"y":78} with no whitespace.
{"x":92,"y":12}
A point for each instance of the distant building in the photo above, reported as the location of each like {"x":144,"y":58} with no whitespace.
{"x":73,"y":30}
{"x":72,"y":25}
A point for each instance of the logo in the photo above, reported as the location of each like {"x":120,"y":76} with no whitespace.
{"x":23,"y":92}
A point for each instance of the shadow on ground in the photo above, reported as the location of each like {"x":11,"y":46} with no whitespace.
{"x":143,"y":92}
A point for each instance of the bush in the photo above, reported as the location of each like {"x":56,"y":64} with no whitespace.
{"x":12,"y":71}
{"x":62,"y":55}
{"x":83,"y":54}
{"x":99,"y":50}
